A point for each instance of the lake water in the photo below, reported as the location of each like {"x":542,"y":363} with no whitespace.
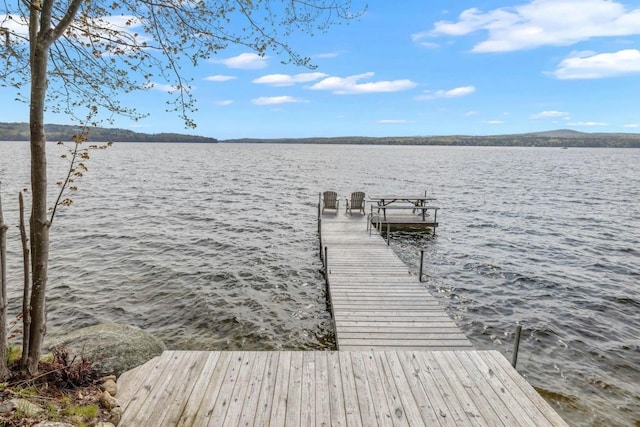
{"x":214,"y":247}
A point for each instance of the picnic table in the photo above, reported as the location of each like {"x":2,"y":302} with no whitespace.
{"x":402,"y":202}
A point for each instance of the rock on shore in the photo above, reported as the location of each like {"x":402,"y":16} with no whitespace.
{"x":112,"y":348}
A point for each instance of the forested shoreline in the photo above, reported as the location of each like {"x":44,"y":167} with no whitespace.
{"x":557,"y":138}
{"x":20,"y":132}
{"x":518,"y":140}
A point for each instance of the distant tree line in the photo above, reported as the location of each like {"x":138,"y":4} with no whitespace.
{"x":20,"y":132}
{"x":524,"y":140}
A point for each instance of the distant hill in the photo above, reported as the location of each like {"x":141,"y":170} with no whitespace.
{"x":555,"y":138}
{"x":20,"y":132}
{"x":559,"y":133}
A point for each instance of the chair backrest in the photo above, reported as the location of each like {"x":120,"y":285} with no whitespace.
{"x":330,"y":199}
{"x":357,"y":200}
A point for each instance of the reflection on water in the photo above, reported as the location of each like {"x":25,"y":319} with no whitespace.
{"x":215,"y":247}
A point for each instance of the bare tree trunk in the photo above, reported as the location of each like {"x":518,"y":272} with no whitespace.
{"x":39,"y":224}
{"x":26,"y":292}
{"x":4,"y":371}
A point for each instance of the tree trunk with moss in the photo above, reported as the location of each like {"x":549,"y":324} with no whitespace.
{"x":39,"y":223}
{"x":4,"y":371}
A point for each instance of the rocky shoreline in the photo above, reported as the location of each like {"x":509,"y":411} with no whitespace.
{"x":112,"y":349}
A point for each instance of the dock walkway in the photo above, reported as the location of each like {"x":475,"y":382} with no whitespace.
{"x":377,"y":303}
{"x":401,"y":362}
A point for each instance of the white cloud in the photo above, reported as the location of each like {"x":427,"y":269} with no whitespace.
{"x":420,"y":39}
{"x":451,"y":93}
{"x":17,"y":26}
{"x":161,"y":87}
{"x":328,"y":55}
{"x":494,"y":122}
{"x":632,"y":125}
{"x":223,"y":102}
{"x":244,"y":61}
{"x":393,"y":121}
{"x":274,"y":100}
{"x":540,"y":23}
{"x":471,"y":113}
{"x":587,"y":124}
{"x":551,"y":115}
{"x":220,"y":78}
{"x":350,"y":85}
{"x":587,"y":65}
{"x":288,"y":80}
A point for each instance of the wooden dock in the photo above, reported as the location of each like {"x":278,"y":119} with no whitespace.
{"x":376,"y":302}
{"x":330,"y":388}
{"x":401,"y":362}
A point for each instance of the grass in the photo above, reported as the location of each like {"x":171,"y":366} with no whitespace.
{"x":66,"y":392}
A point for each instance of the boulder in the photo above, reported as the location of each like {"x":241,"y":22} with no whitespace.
{"x":112,"y":348}
{"x":27,"y":408}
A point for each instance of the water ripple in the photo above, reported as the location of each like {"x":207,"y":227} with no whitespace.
{"x":214,"y":247}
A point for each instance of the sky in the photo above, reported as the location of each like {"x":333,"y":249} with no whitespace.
{"x":421,"y":68}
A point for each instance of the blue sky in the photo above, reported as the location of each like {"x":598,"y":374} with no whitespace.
{"x":428,"y":67}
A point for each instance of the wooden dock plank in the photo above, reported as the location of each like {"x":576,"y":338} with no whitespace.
{"x":197,"y":392}
{"x":218,"y":413}
{"x":322,"y":392}
{"x":250,"y":405}
{"x":418,"y":409}
{"x":214,"y":380}
{"x":403,"y":336}
{"x":404,"y":406}
{"x":508,"y":393}
{"x":494,"y":415}
{"x":265,"y":400}
{"x":294,"y":403}
{"x":351,"y":399}
{"x":156,"y":387}
{"x":424,"y":387}
{"x":236,"y":403}
{"x":182,"y":385}
{"x":545,"y":414}
{"x":338,"y":402}
{"x":447,"y":373}
{"x":308,"y":400}
{"x":280,"y":390}
{"x":380,"y":375}
{"x":142,"y":377}
{"x":368,"y":404}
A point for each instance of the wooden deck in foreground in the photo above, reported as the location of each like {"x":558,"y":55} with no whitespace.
{"x":402,"y":362}
{"x":332,"y":388}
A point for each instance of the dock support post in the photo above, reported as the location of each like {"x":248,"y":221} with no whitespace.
{"x":320,"y":237}
{"x":435,"y":221}
{"x":388,"y":229}
{"x":326,"y":267}
{"x":421,"y":262}
{"x":516,"y":346}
